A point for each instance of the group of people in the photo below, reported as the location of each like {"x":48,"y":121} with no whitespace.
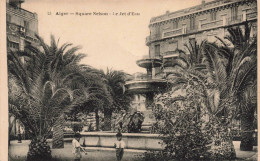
{"x":77,"y":148}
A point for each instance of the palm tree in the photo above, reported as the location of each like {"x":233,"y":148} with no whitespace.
{"x":241,"y":68}
{"x":115,"y":81}
{"x":64,"y":70}
{"x":96,"y":95}
{"x":232,"y":72}
{"x":38,"y":108}
{"x":202,"y":72}
{"x":44,"y":89}
{"x":189,"y":66}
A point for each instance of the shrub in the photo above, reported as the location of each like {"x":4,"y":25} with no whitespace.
{"x":189,"y":131}
{"x":154,"y":156}
{"x":183,"y":135}
{"x":77,"y":126}
{"x":127,"y":122}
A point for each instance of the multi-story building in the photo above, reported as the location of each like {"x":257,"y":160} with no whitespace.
{"x":21,"y":27}
{"x":170,"y":31}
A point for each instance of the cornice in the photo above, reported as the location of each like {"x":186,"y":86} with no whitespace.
{"x":201,"y":12}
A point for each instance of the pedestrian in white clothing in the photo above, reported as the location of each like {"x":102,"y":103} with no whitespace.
{"x":76,"y":147}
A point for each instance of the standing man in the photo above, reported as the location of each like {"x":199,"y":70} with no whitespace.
{"x":119,"y":145}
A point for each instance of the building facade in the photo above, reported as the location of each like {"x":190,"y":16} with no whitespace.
{"x":170,"y":31}
{"x":21,"y":27}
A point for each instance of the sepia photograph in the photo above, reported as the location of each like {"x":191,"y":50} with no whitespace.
{"x":122,"y":80}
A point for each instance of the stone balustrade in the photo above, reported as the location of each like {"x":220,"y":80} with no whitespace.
{"x":21,"y":12}
{"x":211,"y":24}
{"x":174,"y":32}
{"x":251,"y":15}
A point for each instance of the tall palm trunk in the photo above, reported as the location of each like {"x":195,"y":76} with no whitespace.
{"x":247,"y":129}
{"x":107,"y":119}
{"x":39,"y":150}
{"x":58,"y":134}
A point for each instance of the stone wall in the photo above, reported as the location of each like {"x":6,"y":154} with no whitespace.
{"x":132,"y":141}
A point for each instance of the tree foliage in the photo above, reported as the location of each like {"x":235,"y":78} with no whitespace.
{"x":44,"y":81}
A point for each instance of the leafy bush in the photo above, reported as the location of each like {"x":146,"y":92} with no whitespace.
{"x":154,"y":156}
{"x":189,"y":131}
{"x":77,"y":126}
{"x":221,"y":147}
{"x":127,"y":122}
{"x":183,"y":134}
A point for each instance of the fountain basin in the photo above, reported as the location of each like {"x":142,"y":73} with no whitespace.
{"x":139,"y":141}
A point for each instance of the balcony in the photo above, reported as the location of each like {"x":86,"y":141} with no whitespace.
{"x":149,"y":62}
{"x":20,"y":12}
{"x":192,"y":10}
{"x":234,"y":20}
{"x":172,"y":33}
{"x":141,"y":85}
{"x":20,"y":31}
{"x":225,"y":21}
{"x":30,"y":34}
{"x":212,"y":24}
{"x":152,"y":38}
{"x":251,"y":15}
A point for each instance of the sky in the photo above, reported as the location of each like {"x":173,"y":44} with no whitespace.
{"x":109,"y":41}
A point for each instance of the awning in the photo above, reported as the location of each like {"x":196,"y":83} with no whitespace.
{"x":13,"y":39}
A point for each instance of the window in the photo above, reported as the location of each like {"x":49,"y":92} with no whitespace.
{"x":192,"y":23}
{"x":234,"y":12}
{"x":175,"y":24}
{"x":213,"y":16}
{"x":157,"y":50}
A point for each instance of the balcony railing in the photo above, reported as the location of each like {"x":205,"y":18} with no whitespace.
{"x":174,"y":32}
{"x":211,"y":24}
{"x":204,"y":26}
{"x":179,"y":13}
{"x":154,"y":37}
{"x":20,"y":11}
{"x":252,"y":15}
{"x":21,"y":30}
{"x":194,"y":29}
{"x":234,"y":19}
